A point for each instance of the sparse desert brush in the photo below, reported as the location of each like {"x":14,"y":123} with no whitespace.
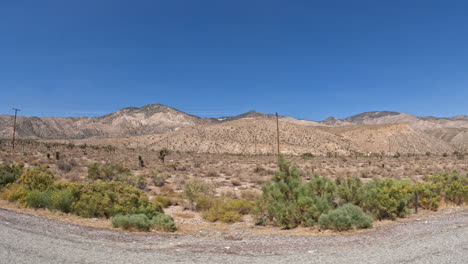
{"x":167,"y":189}
{"x":227,"y":210}
{"x":195,"y":189}
{"x":106,"y":171}
{"x":212,"y":173}
{"x":249,"y":194}
{"x":158,"y":179}
{"x":164,"y":201}
{"x":229,"y":194}
{"x":66,"y":165}
{"x":111,"y":172}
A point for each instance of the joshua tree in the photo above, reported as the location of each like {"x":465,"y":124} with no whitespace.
{"x":142,"y":163}
{"x":163,"y":153}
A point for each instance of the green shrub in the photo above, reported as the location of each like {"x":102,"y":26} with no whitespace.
{"x":345,"y":217}
{"x":61,"y":200}
{"x":137,"y":181}
{"x":37,"y":178}
{"x":10,"y":173}
{"x":105,"y":199}
{"x":279,"y":201}
{"x":164,"y":201}
{"x":106,"y":171}
{"x":307,"y":155}
{"x":203,"y":203}
{"x":158,"y":179}
{"x":387,"y":198}
{"x":137,"y":221}
{"x":196,"y":189}
{"x":38,"y":199}
{"x":454,"y":187}
{"x":111,"y":172}
{"x":429,"y":195}
{"x":349,"y":190}
{"x":287,"y":202}
{"x":227,"y":210}
{"x":150,"y":210}
{"x":144,"y":223}
{"x":14,"y":192}
{"x":164,"y":222}
{"x":73,"y":187}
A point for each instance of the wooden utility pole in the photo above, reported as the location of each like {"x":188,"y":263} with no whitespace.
{"x":255,"y":143}
{"x":14,"y":127}
{"x":389,"y":152}
{"x":278,"y":135}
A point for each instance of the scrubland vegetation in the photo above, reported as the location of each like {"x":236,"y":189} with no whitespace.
{"x":36,"y":187}
{"x":337,"y":193}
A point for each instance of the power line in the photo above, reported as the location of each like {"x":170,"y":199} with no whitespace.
{"x":14,"y":127}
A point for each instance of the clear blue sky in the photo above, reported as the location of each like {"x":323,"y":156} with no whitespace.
{"x":307,"y":59}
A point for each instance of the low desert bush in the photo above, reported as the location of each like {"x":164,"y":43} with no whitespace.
{"x":106,"y":171}
{"x":37,"y":178}
{"x":9,"y":173}
{"x":307,"y":155}
{"x":66,"y":165}
{"x":162,"y":200}
{"x":227,"y":210}
{"x":14,"y":192}
{"x":137,"y":221}
{"x":288,"y":202}
{"x":387,"y":199}
{"x":105,"y":199}
{"x":345,"y":217}
{"x":144,"y":223}
{"x":158,"y":179}
{"x":111,"y":172}
{"x":429,"y":195}
{"x":196,"y":189}
{"x":38,"y":199}
{"x":61,"y":200}
{"x":349,"y":190}
{"x":164,"y":222}
{"x":454,"y":187}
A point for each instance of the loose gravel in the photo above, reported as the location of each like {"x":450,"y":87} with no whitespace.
{"x":440,"y":238}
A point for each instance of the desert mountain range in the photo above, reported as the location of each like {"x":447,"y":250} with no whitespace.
{"x":159,"y":126}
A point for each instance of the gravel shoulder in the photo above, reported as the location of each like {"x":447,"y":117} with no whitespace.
{"x":436,"y":238}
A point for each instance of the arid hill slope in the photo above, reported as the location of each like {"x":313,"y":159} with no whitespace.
{"x":258,"y":135}
{"x":131,"y":121}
